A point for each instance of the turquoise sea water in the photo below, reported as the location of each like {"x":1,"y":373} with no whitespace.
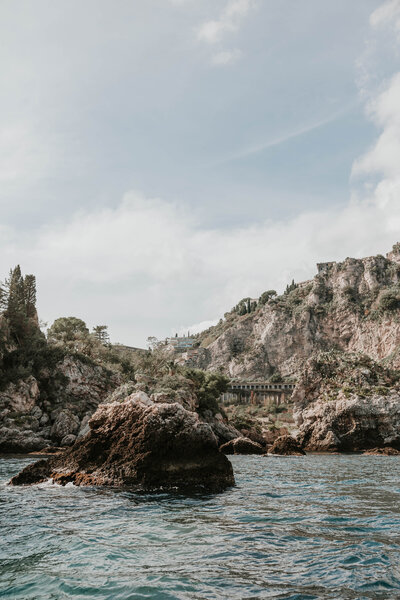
{"x":297,"y":528}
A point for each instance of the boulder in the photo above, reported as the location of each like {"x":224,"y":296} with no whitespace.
{"x":241,"y":445}
{"x":286,"y":445}
{"x":149,"y":446}
{"x":65,"y":423}
{"x":21,"y":441}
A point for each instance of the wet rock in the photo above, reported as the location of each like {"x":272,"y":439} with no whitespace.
{"x":16,"y":440}
{"x":242,"y":445}
{"x":388,"y":451}
{"x":286,"y":445}
{"x":142,"y":444}
{"x":48,"y":451}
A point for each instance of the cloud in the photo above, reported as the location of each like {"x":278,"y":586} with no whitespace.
{"x":387,"y":13}
{"x":147,"y":267}
{"x":229,"y":21}
{"x":226,"y":57}
{"x":197,"y":327}
{"x":282,"y":139}
{"x":384,"y":156}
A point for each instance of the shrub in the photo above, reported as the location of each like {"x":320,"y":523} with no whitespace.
{"x":208,"y":387}
{"x":390,"y":300}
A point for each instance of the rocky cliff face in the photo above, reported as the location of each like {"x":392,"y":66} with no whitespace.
{"x":347,"y":402}
{"x":353,"y":306}
{"x":55,"y":410}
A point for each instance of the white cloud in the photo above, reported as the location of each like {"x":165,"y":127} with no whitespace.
{"x":387,"y":13}
{"x":384,"y":156}
{"x":226,"y":57}
{"x":212,"y":32}
{"x":196,"y":327}
{"x":147,"y":267}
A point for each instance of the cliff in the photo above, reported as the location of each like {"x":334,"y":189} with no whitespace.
{"x":347,"y":402}
{"x":54,"y":408}
{"x":353,"y":306}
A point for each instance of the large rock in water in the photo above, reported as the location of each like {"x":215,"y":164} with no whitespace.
{"x":286,"y":445}
{"x":242,"y":445}
{"x":139,"y":443}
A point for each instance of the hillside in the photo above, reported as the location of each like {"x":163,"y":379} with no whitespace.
{"x":352,"y":306}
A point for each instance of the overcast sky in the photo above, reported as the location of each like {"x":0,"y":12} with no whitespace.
{"x":161,"y":159}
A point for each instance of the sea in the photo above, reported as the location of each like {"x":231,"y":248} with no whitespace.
{"x":293,"y":528}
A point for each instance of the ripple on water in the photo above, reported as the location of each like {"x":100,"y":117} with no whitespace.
{"x":323,"y":527}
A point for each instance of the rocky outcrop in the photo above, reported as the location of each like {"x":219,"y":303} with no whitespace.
{"x":353,"y":306}
{"x":347,"y":402}
{"x":286,"y":445}
{"x":387,"y":451}
{"x":151,"y":446}
{"x":54,"y":410}
{"x":242,"y":445}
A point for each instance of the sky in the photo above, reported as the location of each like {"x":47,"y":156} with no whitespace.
{"x":160,"y":160}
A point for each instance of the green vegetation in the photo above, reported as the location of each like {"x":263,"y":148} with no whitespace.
{"x":266,"y":297}
{"x":353,"y":373}
{"x":390,"y":299}
{"x":67,"y":329}
{"x":290,"y":287}
{"x":208,"y":387}
{"x":25,"y":351}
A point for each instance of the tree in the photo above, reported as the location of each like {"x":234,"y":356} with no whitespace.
{"x":101,"y":334}
{"x":18,"y":303}
{"x":235,"y":344}
{"x":66,"y":329}
{"x":30,"y":295}
{"x":291,"y":287}
{"x":266,"y":296}
{"x":152,"y":342}
{"x":16,"y":292}
{"x":208,"y":388}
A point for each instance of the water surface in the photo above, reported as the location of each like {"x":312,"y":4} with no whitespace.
{"x":294,"y":528}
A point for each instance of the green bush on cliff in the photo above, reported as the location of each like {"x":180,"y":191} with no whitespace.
{"x":208,"y":387}
{"x":266,"y":296}
{"x":390,"y":299}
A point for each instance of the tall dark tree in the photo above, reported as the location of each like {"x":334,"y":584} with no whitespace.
{"x":30,"y":295}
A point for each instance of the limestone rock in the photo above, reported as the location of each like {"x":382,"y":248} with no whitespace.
{"x":242,"y":445}
{"x":65,"y":423}
{"x":347,"y":402}
{"x":150,"y":446}
{"x":339,"y":308}
{"x":31,"y":420}
{"x":20,"y":397}
{"x":286,"y":445}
